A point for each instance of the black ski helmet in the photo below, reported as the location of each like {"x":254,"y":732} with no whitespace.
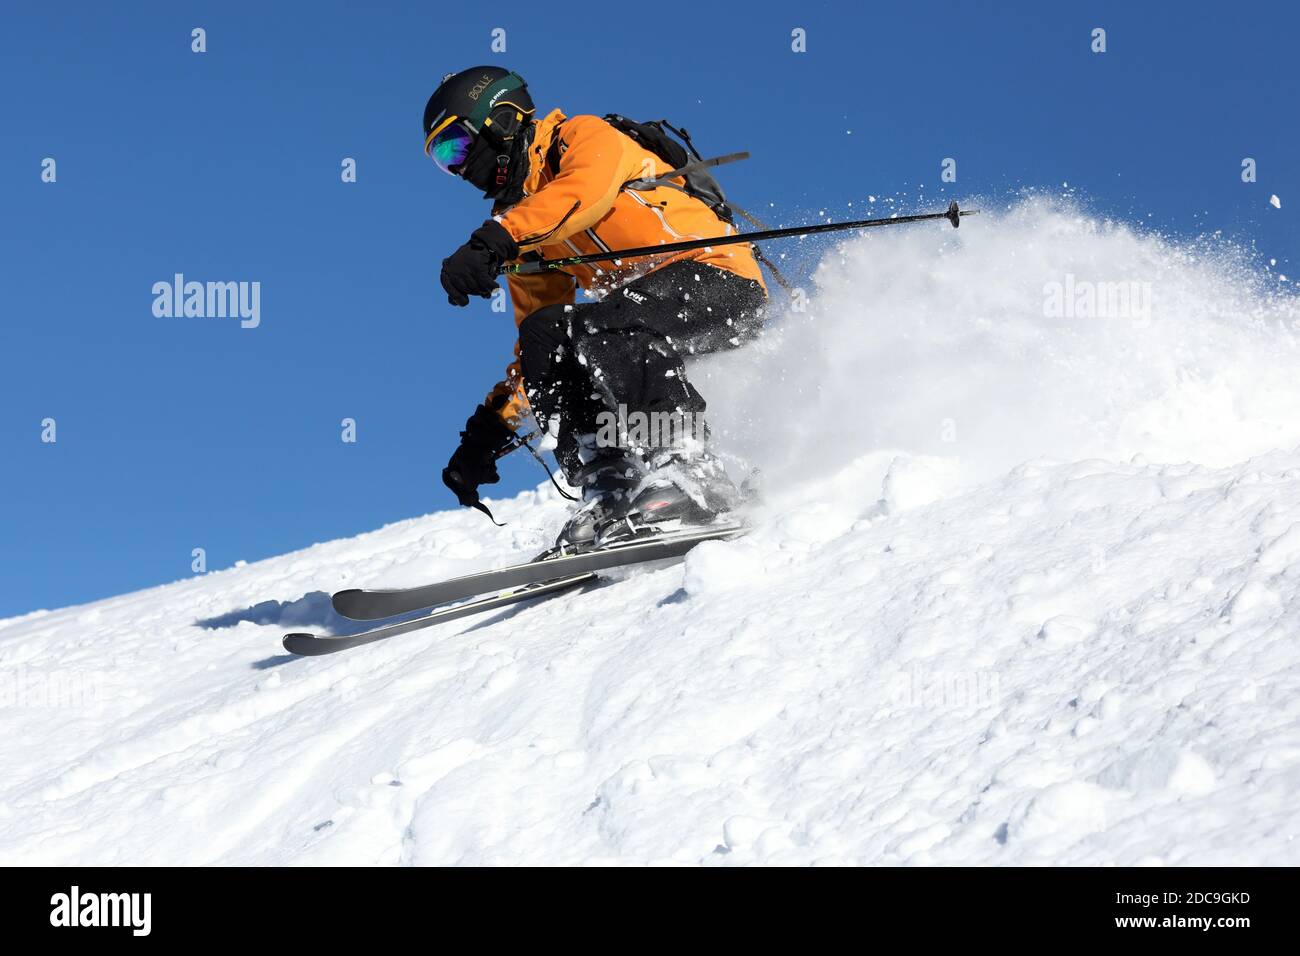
{"x":487,"y":99}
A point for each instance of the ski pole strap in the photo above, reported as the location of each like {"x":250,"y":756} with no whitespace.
{"x":479,"y":506}
{"x":546,"y":468}
{"x":524,"y":441}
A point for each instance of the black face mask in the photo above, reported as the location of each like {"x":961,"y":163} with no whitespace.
{"x":499,"y":169}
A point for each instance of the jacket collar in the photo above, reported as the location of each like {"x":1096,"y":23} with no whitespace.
{"x":544,"y":133}
{"x":543,"y":139}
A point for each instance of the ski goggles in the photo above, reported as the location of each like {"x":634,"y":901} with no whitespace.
{"x":450,"y":146}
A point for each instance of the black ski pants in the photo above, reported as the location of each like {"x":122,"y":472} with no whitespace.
{"x":628,"y":348}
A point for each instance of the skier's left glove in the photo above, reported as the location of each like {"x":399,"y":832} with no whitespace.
{"x":474,"y":463}
{"x":472,"y":269}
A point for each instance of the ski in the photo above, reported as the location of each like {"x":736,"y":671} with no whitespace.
{"x":314,"y":645}
{"x":369,"y":605}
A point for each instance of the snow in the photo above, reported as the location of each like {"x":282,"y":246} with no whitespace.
{"x":1060,"y":629}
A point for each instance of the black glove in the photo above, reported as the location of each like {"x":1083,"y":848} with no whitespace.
{"x":474,"y":463}
{"x":472,"y":269}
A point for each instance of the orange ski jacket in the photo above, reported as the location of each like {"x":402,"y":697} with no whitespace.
{"x":575,"y":203}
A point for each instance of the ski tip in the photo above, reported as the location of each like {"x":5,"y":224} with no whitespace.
{"x":304,"y":645}
{"x":344,"y":601}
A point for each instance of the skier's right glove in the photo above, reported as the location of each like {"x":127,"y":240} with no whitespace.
{"x":474,"y":463}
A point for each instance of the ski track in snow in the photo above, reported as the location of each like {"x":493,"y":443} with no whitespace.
{"x":928,"y":656}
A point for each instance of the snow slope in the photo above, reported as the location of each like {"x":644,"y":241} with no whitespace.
{"x":945,"y":648}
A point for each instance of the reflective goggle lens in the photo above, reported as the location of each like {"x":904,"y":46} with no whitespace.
{"x":450,"y":147}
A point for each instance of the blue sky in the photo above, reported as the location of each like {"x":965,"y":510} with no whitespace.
{"x":178,"y":433}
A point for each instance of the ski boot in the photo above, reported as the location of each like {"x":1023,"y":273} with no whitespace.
{"x":682,"y":489}
{"x":608,"y":478}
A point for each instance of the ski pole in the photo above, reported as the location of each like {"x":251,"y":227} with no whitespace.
{"x":953,"y":215}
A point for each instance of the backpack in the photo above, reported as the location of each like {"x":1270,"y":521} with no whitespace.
{"x":653,"y":136}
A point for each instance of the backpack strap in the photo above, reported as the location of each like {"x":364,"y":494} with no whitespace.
{"x":684,"y":136}
{"x":757,"y":223}
{"x":556,"y":150}
{"x":683,"y":171}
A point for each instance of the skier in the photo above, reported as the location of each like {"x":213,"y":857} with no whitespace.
{"x":571,"y":185}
